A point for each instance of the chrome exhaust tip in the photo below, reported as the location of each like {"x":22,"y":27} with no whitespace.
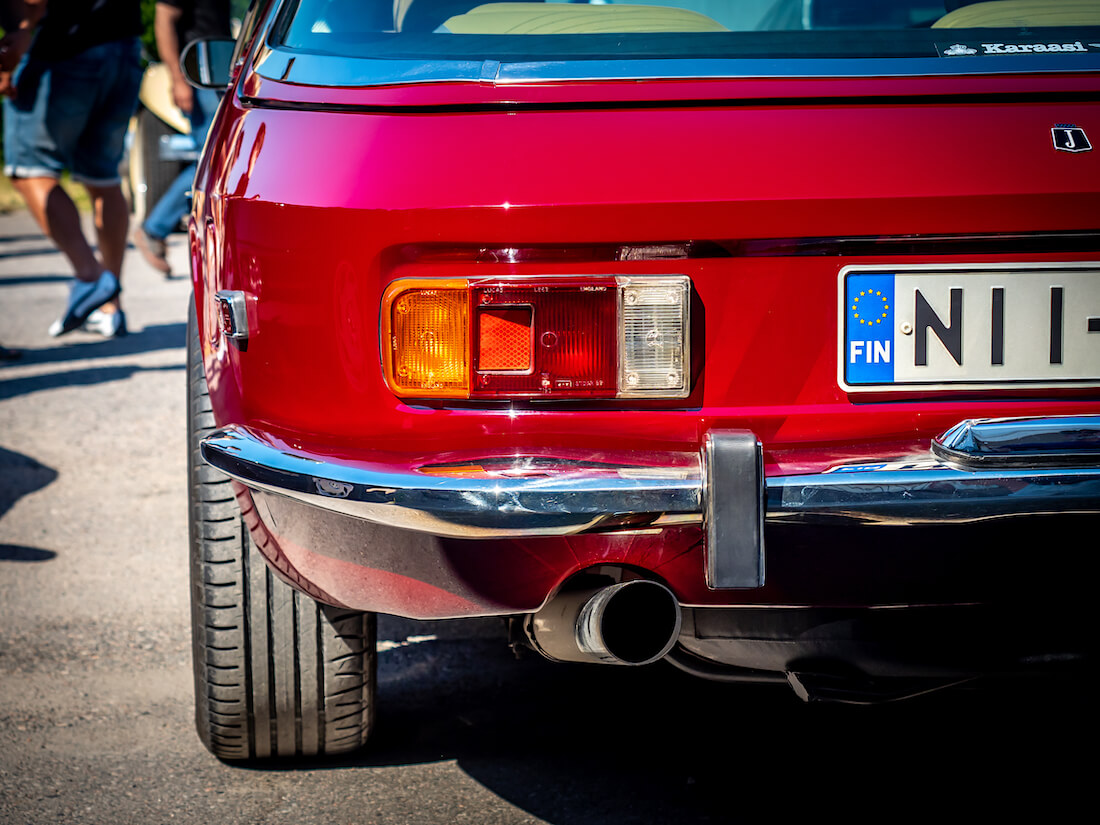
{"x":635,"y":622}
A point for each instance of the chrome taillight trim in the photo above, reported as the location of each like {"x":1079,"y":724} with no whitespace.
{"x":621,"y":288}
{"x":233,"y":314}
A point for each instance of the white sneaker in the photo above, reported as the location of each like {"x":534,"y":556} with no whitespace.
{"x":84,"y":298}
{"x":107,"y":324}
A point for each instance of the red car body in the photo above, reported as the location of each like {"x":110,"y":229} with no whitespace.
{"x":312,"y":199}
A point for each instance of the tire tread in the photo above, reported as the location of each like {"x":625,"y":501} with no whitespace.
{"x":276,"y":673}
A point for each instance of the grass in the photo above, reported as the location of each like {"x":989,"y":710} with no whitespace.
{"x":11,"y":202}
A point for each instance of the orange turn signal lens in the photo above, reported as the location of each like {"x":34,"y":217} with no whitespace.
{"x":426,"y":326}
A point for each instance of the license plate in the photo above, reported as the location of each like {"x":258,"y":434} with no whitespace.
{"x":969,"y":327}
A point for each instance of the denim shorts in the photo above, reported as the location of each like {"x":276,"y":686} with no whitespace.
{"x":73,"y":114}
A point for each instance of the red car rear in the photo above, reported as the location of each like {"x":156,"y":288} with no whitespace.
{"x":762,"y":338}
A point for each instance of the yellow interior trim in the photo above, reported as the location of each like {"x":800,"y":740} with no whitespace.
{"x":1013,"y":13}
{"x":567,"y":18}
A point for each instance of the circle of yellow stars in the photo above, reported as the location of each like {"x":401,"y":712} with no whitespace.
{"x":868,"y":316}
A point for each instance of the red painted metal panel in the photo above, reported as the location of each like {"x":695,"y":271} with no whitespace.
{"x":314,"y":214}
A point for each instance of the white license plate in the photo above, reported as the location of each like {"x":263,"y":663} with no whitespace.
{"x":969,"y":326}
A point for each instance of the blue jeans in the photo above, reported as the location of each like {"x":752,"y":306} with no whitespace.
{"x":165,"y":216}
{"x":73,"y":114}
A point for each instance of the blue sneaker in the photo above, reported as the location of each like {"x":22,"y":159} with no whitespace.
{"x":85,"y":297}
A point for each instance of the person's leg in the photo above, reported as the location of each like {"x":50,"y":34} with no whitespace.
{"x":203,"y":110}
{"x":112,"y":221}
{"x":43,"y":127}
{"x":59,"y":218}
{"x":38,"y":146}
{"x":163,"y":219}
{"x":165,"y":215}
{"x":175,"y":203}
{"x":98,"y":154}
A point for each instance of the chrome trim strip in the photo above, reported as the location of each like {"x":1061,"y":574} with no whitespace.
{"x":1021,"y":442}
{"x":583,"y":498}
{"x":576,"y":500}
{"x":935,"y":494}
{"x":313,"y":69}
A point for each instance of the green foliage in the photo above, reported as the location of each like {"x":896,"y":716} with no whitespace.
{"x":148,"y":42}
{"x":237,"y":9}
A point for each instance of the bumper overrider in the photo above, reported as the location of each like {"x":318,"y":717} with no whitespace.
{"x":979,"y":470}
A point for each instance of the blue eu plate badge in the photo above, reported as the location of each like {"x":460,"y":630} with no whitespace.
{"x":869,"y":347}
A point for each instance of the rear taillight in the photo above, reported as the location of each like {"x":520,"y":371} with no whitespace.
{"x":563,"y":337}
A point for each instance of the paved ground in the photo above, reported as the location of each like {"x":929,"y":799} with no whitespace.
{"x":95,"y":679}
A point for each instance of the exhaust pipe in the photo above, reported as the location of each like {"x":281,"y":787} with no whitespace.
{"x":634,"y":622}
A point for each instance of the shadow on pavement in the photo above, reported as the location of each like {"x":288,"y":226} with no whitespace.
{"x":32,"y":252}
{"x":31,"y":236}
{"x":78,"y":346}
{"x":71,"y":378}
{"x":15,"y":552}
{"x":601,"y":745}
{"x":19,"y":475}
{"x":30,"y":280}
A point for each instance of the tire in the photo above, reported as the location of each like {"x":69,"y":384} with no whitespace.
{"x":276,"y":673}
{"x":150,"y":176}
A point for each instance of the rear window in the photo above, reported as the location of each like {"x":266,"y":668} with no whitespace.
{"x":687,"y":29}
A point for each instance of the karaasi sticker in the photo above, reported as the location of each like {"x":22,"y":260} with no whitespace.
{"x":981,"y":49}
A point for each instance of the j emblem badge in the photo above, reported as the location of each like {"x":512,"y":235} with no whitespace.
{"x":1070,"y":138}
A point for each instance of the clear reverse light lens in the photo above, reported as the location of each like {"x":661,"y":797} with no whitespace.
{"x":653,"y":328}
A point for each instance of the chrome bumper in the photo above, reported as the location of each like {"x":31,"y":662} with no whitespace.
{"x":963,"y":480}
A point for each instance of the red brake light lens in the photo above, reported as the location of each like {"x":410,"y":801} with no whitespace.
{"x":572,"y":338}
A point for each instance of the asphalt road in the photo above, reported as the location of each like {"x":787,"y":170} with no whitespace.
{"x":95,"y":674}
